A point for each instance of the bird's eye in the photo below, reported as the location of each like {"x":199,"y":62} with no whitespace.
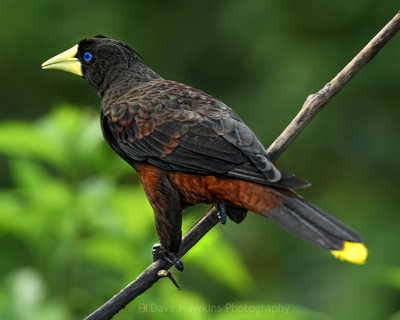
{"x":87,"y":56}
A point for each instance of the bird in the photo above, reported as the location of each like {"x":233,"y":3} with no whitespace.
{"x":189,"y":148}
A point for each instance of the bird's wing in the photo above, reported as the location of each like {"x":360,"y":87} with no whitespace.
{"x":176,"y":127}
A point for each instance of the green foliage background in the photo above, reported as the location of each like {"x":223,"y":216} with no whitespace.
{"x":75,"y":226}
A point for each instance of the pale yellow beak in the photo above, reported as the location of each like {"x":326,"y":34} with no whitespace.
{"x":65,"y":61}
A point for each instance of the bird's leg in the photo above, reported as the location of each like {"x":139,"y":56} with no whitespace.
{"x":235,"y":213}
{"x":159,"y":252}
{"x":165,"y":200}
{"x":221,"y":213}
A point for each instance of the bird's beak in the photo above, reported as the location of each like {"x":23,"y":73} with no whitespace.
{"x":65,"y":61}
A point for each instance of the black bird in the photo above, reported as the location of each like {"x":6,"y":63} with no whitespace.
{"x":190,"y":148}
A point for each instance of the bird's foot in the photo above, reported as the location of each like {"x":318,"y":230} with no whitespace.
{"x":159,"y":252}
{"x":221,"y":213}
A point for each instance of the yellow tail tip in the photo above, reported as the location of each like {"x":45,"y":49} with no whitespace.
{"x":353,"y":252}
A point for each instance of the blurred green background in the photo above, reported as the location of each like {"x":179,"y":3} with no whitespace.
{"x":75,"y":226}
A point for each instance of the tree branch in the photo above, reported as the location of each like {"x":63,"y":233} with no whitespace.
{"x":151,"y":275}
{"x":313,"y":104}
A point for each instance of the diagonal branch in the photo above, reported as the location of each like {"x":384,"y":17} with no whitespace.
{"x":310,"y":109}
{"x":151,"y":275}
{"x":315,"y":102}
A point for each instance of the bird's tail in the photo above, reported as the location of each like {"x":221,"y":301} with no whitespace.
{"x":296,"y":215}
{"x":311,"y":223}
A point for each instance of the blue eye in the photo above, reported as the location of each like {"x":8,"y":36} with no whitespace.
{"x":87,"y":56}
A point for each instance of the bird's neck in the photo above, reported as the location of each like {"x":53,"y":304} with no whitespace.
{"x":121,"y":82}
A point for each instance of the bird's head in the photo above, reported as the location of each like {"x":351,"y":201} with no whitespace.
{"x":99,"y":60}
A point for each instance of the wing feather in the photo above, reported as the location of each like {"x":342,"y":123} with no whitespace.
{"x":180,"y":128}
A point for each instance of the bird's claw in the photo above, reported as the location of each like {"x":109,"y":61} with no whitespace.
{"x":221,"y":213}
{"x":159,"y":252}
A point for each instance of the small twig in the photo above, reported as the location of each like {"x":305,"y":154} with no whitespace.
{"x":167,"y":274}
{"x":311,"y":107}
